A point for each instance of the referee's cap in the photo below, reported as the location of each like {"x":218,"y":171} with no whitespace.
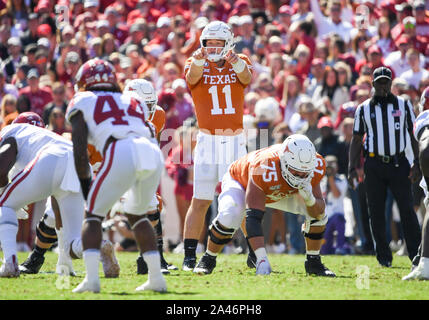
{"x":382,"y":72}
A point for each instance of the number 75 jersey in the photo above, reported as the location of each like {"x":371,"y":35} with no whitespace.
{"x":219,"y":97}
{"x":111,"y":114}
{"x":263,"y":167}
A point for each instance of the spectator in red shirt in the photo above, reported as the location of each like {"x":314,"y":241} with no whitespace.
{"x":420,"y":43}
{"x":422,"y":20}
{"x":119,"y":31}
{"x":38,"y":96}
{"x":175,"y":8}
{"x":163,"y":30}
{"x":144,"y":10}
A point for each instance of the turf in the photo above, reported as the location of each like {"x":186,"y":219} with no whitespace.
{"x":358,"y":278}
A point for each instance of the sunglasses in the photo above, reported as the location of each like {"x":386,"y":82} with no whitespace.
{"x":409,"y":26}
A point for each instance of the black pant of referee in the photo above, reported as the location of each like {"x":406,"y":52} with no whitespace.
{"x":392,"y":172}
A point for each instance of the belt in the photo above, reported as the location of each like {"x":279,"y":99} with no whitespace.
{"x":387,"y":159}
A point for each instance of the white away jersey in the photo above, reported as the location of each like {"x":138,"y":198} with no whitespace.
{"x":111,"y":114}
{"x":421,"y":121}
{"x":31,"y":139}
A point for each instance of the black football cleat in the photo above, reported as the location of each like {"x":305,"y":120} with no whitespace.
{"x":32,"y":264}
{"x":164,"y":266}
{"x":189,"y":263}
{"x":314,"y":266}
{"x":141,"y":266}
{"x":251,"y":259}
{"x":206,"y":264}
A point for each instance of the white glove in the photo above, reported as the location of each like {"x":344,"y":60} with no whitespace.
{"x":306,"y":192}
{"x":263,"y":266}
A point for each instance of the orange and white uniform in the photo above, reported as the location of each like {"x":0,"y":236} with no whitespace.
{"x":158,"y":119}
{"x":219,"y":107}
{"x":263,"y":168}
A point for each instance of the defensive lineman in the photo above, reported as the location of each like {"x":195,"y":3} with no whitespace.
{"x":43,"y":159}
{"x":116,"y":125}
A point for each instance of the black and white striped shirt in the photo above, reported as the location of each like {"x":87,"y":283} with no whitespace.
{"x":385,"y":126}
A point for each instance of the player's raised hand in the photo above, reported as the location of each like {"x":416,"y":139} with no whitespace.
{"x":231,"y":57}
{"x":200,"y":54}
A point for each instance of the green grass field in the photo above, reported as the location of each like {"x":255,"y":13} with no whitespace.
{"x":231,"y":280}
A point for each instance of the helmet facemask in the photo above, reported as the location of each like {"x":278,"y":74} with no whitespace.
{"x":217,"y":30}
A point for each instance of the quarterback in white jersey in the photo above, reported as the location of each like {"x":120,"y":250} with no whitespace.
{"x":44,"y":162}
{"x":421,"y":133}
{"x":116,"y":125}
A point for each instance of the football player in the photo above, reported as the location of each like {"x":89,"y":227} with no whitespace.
{"x":147,"y":93}
{"x":116,"y":124}
{"x":217,"y":78}
{"x":284,"y":176}
{"x":421,"y":132}
{"x":49,"y":229}
{"x":45,"y":160}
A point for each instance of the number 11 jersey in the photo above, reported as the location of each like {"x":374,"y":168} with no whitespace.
{"x":111,"y":114}
{"x":219,"y":98}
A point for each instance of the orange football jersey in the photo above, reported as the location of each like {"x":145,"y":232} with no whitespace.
{"x":158,"y":119}
{"x":263,"y":167}
{"x":218,"y":97}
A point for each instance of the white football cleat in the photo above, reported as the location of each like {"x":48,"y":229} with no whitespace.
{"x":158,"y":285}
{"x":263,"y":266}
{"x":10,"y":268}
{"x":64,"y":263}
{"x":111,"y":266}
{"x":86,"y":286}
{"x":418,"y":273}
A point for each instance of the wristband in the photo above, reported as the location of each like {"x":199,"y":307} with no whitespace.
{"x":239,"y":66}
{"x":199,"y":62}
{"x":85,"y":184}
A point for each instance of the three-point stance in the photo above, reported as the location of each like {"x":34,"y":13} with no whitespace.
{"x":284,"y":176}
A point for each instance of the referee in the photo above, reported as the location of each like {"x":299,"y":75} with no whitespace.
{"x":386,"y":119}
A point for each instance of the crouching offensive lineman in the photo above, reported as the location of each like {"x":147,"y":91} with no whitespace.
{"x":284,"y":176}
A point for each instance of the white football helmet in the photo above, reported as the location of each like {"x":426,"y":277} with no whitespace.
{"x":297,"y":153}
{"x":145,"y":91}
{"x":220,"y":31}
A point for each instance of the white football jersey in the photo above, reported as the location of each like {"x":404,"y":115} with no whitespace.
{"x":31,"y":139}
{"x":421,"y":121}
{"x":111,"y":114}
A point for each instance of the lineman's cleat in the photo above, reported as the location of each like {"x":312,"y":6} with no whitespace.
{"x":164,"y":266}
{"x":108,"y":259}
{"x":206,"y":264}
{"x":32,"y":264}
{"x":158,"y":284}
{"x":189,"y":263}
{"x":86,"y":286}
{"x":421,"y":272}
{"x":314,"y":266}
{"x":263,"y":267}
{"x":10,"y":268}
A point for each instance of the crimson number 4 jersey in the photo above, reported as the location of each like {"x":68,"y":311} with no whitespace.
{"x":111,"y":114}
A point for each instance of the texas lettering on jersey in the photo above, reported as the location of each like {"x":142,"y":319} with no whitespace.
{"x":263,"y":167}
{"x":219,"y":97}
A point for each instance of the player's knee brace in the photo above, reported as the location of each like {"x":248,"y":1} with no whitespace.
{"x":254,"y":222}
{"x":45,"y":232}
{"x":220,"y":229}
{"x":315,"y":223}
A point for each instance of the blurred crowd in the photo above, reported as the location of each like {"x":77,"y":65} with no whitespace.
{"x":312,"y":59}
